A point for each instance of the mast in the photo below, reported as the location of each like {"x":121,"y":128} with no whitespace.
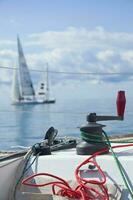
{"x":47,"y":83}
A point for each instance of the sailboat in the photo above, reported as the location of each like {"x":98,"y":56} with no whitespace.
{"x":44,"y":90}
{"x":23,"y":90}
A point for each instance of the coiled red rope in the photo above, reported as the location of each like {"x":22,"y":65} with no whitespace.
{"x":85,"y":189}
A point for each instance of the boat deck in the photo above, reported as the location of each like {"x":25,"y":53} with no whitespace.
{"x":63,"y":164}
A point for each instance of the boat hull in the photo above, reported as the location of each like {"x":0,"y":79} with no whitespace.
{"x":7,"y":174}
{"x":49,"y":101}
{"x":32,"y":102}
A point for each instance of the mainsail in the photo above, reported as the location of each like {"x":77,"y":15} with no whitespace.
{"x":26,"y":86}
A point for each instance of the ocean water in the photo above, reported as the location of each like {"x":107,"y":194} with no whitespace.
{"x":27,"y":124}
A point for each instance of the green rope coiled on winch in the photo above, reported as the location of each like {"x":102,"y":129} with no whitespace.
{"x":88,"y":137}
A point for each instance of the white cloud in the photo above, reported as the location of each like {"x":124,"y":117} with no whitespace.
{"x":76,"y":50}
{"x":127,"y":56}
{"x":8,"y":53}
{"x":105,"y":55}
{"x":4,"y":43}
{"x":80,"y":38}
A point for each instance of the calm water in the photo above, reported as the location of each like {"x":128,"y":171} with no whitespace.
{"x":26,"y":125}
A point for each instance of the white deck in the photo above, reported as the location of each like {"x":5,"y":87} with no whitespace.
{"x":64,"y":163}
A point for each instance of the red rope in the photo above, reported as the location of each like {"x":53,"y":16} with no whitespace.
{"x":85,"y":189}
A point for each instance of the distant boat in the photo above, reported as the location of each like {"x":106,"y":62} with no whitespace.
{"x":23,"y":91}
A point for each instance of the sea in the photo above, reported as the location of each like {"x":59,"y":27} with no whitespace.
{"x":24,"y":125}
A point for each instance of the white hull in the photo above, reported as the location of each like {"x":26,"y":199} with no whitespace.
{"x":63,"y":164}
{"x":33,"y":102}
{"x":7,"y":174}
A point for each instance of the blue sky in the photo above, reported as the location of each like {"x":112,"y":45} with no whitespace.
{"x":73,"y":36}
{"x":31,"y":16}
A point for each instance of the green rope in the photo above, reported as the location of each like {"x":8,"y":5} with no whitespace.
{"x":104,"y":138}
{"x":101,"y":138}
{"x":120,"y":167}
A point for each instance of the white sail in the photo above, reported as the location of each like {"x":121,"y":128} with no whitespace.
{"x":26,"y":86}
{"x":15,"y":87}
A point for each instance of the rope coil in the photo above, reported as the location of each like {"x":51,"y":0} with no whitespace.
{"x":84,"y":190}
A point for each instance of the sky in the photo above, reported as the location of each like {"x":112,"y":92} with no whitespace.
{"x":78,"y":36}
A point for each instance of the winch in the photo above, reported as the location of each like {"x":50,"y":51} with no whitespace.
{"x":92,"y":132}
